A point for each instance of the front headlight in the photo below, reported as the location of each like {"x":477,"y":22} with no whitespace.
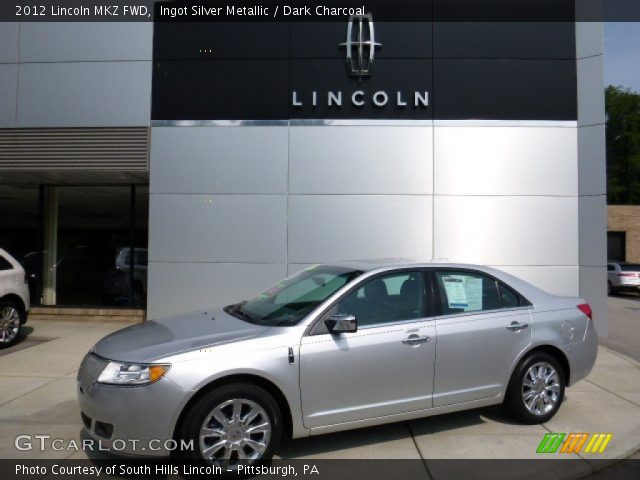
{"x":118,"y":373}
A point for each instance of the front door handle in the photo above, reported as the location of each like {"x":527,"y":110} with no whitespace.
{"x":416,"y":339}
{"x":517,"y":326}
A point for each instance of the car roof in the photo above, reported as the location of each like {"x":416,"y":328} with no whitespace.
{"x":531,"y":292}
{"x":366,"y":265}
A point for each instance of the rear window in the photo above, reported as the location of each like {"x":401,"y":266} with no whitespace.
{"x":4,"y":264}
{"x":630,"y":267}
{"x":462,"y":291}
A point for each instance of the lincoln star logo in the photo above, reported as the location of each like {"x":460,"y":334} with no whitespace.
{"x":360,"y":45}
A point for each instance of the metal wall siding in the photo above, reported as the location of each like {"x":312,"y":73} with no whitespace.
{"x":75,"y":148}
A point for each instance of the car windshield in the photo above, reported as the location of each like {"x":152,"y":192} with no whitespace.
{"x":630,"y":267}
{"x":288,"y":301}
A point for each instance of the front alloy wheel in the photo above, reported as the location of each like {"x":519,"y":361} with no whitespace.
{"x":9,"y":323}
{"x":237,"y":429}
{"x":233,"y":424}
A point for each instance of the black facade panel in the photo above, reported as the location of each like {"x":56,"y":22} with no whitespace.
{"x":220,"y":40}
{"x":220,"y":89}
{"x":505,"y":89}
{"x":504,"y":10}
{"x":398,"y":39}
{"x":390,"y":76}
{"x":471,"y":71}
{"x":542,"y":40}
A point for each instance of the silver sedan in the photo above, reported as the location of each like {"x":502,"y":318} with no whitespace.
{"x":335,"y":347}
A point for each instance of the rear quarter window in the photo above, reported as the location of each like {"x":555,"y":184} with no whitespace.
{"x":510,"y":298}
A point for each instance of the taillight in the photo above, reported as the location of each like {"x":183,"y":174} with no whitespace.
{"x":586,"y":309}
{"x":627,"y":275}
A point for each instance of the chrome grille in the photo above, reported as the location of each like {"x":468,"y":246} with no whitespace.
{"x":90,"y":368}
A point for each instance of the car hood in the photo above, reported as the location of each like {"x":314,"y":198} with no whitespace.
{"x":155,"y":339}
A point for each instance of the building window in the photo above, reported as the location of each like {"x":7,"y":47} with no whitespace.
{"x":616,"y":246}
{"x":75,"y":242}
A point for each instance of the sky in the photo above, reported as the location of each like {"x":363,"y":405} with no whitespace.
{"x":622,"y":54}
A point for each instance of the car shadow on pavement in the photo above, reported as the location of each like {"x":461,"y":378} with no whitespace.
{"x":22,"y":341}
{"x":626,"y":295}
{"x":367,"y":442}
{"x":335,"y":445}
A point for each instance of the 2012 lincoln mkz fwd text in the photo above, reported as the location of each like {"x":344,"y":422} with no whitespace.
{"x":337,"y":347}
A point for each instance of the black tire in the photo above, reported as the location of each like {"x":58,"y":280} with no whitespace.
{"x":22,"y":318}
{"x":609,"y":288}
{"x":202,"y":409}
{"x":514,"y":398}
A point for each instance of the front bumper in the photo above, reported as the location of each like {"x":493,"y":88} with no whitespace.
{"x":132,"y":420}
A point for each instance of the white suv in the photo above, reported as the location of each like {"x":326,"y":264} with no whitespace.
{"x":14,"y":298}
{"x":623,"y":276}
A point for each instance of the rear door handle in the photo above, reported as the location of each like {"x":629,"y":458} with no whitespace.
{"x":416,"y":339}
{"x":517,"y":326}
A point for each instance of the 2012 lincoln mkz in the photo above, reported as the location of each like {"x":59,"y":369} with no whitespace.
{"x":337,"y":347}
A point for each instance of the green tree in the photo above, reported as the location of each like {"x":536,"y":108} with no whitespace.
{"x":623,"y":145}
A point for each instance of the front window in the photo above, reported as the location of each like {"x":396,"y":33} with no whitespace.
{"x":396,"y":297}
{"x":289,"y":301}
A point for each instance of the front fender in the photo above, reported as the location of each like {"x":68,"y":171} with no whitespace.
{"x":198,"y":370}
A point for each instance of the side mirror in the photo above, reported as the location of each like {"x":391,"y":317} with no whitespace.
{"x":341,"y":323}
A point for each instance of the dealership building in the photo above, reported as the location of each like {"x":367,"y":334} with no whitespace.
{"x":229,"y":155}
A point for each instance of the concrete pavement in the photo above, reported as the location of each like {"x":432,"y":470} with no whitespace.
{"x":624,"y":324}
{"x":37,"y":396}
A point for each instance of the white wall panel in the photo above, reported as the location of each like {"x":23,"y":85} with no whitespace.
{"x":361,"y":159}
{"x":593,"y":227}
{"x":591,"y":91}
{"x":217,"y":228}
{"x":219,"y":160}
{"x":185,"y":287}
{"x":589,"y":37}
{"x":85,"y":41}
{"x":506,"y":230}
{"x":83,"y":94}
{"x":592,"y":171}
{"x":9,"y":42}
{"x":562,"y":281}
{"x":593,"y":288}
{"x":506,"y":160}
{"x":327,"y":228}
{"x":8,"y":87}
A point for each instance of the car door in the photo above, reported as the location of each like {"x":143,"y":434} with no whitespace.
{"x":482,"y":328}
{"x":384,"y":368}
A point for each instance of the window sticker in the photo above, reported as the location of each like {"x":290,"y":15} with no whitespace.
{"x":473,"y":287}
{"x":456,"y":294}
{"x":463,"y":292}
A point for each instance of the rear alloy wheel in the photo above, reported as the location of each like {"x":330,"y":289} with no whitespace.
{"x":234,"y":424}
{"x":536,"y":389}
{"x":10,"y":321}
